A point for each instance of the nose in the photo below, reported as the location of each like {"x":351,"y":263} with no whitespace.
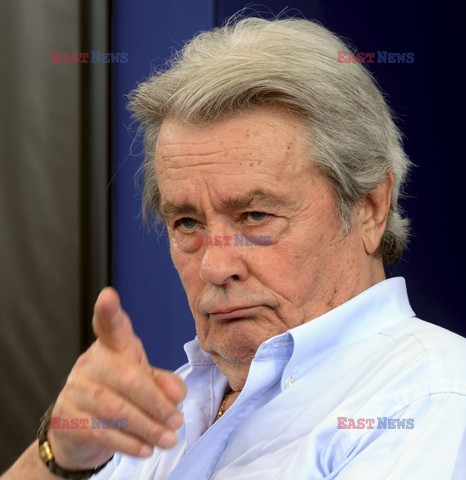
{"x":224,"y":263}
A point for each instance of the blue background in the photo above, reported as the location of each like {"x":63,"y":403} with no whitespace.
{"x":423,"y":95}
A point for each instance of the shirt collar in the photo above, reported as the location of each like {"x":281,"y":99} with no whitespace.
{"x":364,"y":315}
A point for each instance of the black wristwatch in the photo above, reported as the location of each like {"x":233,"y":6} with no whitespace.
{"x":46,"y":453}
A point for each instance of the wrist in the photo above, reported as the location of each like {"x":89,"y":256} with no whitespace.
{"x":47,"y":455}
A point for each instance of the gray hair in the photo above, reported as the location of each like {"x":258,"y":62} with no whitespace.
{"x":291,"y":63}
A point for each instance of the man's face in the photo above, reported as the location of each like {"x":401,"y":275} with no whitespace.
{"x":251,"y":175}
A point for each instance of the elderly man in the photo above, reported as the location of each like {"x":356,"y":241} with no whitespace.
{"x":308,"y":363}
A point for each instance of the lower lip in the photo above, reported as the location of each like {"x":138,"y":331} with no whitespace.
{"x":240,"y":313}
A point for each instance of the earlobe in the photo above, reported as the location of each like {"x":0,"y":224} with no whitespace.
{"x":374,"y":213}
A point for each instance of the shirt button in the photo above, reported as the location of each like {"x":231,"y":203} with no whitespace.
{"x":288,"y":382}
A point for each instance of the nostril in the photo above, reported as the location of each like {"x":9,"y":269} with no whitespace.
{"x":219,"y":266}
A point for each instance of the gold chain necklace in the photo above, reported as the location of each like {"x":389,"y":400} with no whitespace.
{"x":223,"y":405}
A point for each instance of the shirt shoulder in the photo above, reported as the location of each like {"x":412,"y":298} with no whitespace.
{"x":440,"y":355}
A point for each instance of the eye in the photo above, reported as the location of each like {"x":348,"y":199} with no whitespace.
{"x":256,"y":217}
{"x":186,"y":223}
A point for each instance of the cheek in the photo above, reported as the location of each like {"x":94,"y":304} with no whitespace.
{"x":187,"y":268}
{"x":283,"y":268}
{"x":299,"y":265}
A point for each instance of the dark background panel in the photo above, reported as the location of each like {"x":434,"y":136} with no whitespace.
{"x":40,"y":308}
{"x":425,"y":102}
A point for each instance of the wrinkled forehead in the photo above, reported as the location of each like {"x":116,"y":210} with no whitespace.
{"x":261,"y":134}
{"x":254,"y":160}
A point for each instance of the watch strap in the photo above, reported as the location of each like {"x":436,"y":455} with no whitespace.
{"x":46,"y":453}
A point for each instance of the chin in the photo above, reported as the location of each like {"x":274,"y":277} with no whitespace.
{"x":238,"y":352}
{"x":235,"y":368}
{"x":236,"y":342}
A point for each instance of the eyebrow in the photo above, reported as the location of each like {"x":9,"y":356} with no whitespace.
{"x":169,"y":209}
{"x":254,"y":198}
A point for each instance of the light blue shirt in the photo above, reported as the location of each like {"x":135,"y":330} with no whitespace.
{"x":368,"y":359}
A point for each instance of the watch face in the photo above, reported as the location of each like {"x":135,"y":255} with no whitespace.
{"x":45,"y":452}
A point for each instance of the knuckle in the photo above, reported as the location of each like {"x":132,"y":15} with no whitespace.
{"x":139,"y":349}
{"x":82,"y":360}
{"x":118,"y":408}
{"x":73,"y":388}
{"x":131,"y":446}
{"x":107,"y":403}
{"x":144,"y":431}
{"x":73,"y":378}
{"x":138,"y":342}
{"x":164,"y":410}
{"x":98,"y":393}
{"x":161,"y":408}
{"x":150,"y":434}
{"x":130,"y":380}
{"x":85,"y":359}
{"x":103,"y":401}
{"x":115,"y":408}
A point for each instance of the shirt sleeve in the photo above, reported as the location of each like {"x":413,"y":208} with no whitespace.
{"x":433,"y":449}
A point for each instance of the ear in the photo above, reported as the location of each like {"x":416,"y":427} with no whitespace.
{"x":374,"y":214}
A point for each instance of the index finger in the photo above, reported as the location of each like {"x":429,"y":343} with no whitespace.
{"x":113,"y":328}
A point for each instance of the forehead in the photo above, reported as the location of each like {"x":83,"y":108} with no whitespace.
{"x":259,"y":158}
{"x":262,"y":134}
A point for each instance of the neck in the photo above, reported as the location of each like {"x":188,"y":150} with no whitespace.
{"x":229,"y":398}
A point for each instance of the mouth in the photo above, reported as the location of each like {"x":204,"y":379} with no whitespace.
{"x":234,"y":312}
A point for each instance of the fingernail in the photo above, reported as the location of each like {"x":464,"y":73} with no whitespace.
{"x":168,"y":440}
{"x":146,"y":451}
{"x":175,"y":421}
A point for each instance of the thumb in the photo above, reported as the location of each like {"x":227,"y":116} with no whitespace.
{"x":113,"y":328}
